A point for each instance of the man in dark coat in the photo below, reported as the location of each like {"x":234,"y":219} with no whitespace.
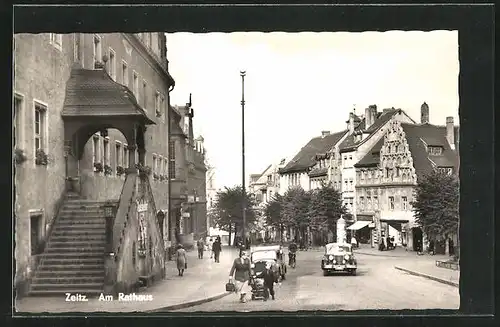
{"x":217,"y":249}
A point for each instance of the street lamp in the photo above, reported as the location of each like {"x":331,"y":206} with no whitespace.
{"x":243,"y":204}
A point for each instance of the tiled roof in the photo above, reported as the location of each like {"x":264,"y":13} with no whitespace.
{"x":382,"y":118}
{"x":416,"y":135}
{"x":372,"y":158}
{"x":318,"y":172}
{"x":94,"y":93}
{"x":305,"y":159}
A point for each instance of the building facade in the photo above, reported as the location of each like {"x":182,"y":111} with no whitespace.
{"x":88,"y":109}
{"x":388,"y":175}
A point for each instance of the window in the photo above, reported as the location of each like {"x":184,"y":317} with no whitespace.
{"x":40,"y":126}
{"x":391,"y":203}
{"x":144,"y":93}
{"x":155,"y":169}
{"x":162,"y":105}
{"x":368,"y":203}
{"x":351,"y":185}
{"x":157,"y":104}
{"x":165,"y":167}
{"x":18,"y":121}
{"x":346,"y":185}
{"x":125,"y":155}
{"x":350,"y":158}
{"x":405,"y":202}
{"x":56,"y":40}
{"x":124,"y":73}
{"x":435,"y":150}
{"x":95,"y":149}
{"x":112,"y":64}
{"x":105,"y":144}
{"x":136,"y":86}
{"x":76,"y":47}
{"x":171,"y":166}
{"x":118,"y":155}
{"x":97,"y":50}
{"x":361,"y":202}
{"x":351,"y":200}
{"x":375,"y":202}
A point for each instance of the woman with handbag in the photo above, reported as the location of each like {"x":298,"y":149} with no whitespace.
{"x":181,"y":259}
{"x":242,"y":270}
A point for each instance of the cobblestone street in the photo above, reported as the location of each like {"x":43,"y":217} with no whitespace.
{"x":377,"y":285}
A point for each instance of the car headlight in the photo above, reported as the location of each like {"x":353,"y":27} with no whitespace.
{"x":330,"y":257}
{"x":334,"y":262}
{"x":343,"y":261}
{"x":252,"y":265}
{"x":346,"y":257}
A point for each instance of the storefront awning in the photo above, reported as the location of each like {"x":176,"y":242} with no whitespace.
{"x":358,"y":225}
{"x":394,"y":220}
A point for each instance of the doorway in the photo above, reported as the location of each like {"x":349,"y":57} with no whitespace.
{"x":417,"y":237}
{"x":35,"y":231}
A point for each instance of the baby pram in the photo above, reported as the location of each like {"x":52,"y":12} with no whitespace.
{"x":257,"y":280}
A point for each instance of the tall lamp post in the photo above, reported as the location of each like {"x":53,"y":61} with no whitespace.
{"x":243,"y":204}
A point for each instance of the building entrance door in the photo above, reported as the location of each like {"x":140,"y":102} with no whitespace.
{"x":417,"y":239}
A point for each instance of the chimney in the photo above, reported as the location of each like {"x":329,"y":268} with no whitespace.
{"x":351,"y":123}
{"x":370,"y":115}
{"x":325,"y":133}
{"x":424,"y":113}
{"x":450,"y":132}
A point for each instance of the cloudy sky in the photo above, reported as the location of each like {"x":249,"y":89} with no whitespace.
{"x":299,"y":84}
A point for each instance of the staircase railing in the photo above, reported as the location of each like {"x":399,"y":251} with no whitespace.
{"x":149,"y":191}
{"x":115,"y":230}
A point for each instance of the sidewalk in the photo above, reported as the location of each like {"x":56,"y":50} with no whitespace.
{"x":203,"y":281}
{"x":418,"y":265}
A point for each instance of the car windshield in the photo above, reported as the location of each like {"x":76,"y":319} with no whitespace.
{"x":337,"y":248}
{"x":264,"y":255}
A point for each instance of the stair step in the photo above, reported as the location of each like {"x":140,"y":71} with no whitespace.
{"x":76,"y":244}
{"x":71,"y":255}
{"x":71,"y":250}
{"x":68,"y":287}
{"x":89,"y":202}
{"x":72,"y":267}
{"x":81,"y":223}
{"x":62,"y":293}
{"x":82,"y":262}
{"x":72,"y":280}
{"x":89,"y":217}
{"x":79,"y":232}
{"x":98,"y":272}
{"x":89,"y":227}
{"x":64,"y":237}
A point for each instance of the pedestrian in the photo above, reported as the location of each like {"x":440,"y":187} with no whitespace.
{"x":210,"y":243}
{"x":217,"y":249}
{"x":241,"y":270}
{"x":269,"y":279}
{"x":181,"y":259}
{"x":354,"y":242}
{"x":201,"y":247}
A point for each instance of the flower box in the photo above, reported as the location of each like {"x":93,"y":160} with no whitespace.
{"x":143,"y":170}
{"x":19,"y":156}
{"x":98,"y":167}
{"x":107,"y":170}
{"x":41,"y":158}
{"x":120,"y":170}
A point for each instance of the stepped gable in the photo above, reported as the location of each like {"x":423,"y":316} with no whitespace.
{"x":306,"y":158}
{"x":372,"y":158}
{"x":73,"y":260}
{"x":383,"y":117}
{"x":419,"y":136}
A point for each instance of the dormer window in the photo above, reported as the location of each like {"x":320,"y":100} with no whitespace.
{"x":435,"y":150}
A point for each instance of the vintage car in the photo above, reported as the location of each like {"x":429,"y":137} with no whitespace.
{"x":338,"y":257}
{"x":260,"y":255}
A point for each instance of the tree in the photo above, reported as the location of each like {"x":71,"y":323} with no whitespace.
{"x":326,"y":208}
{"x":436,"y":204}
{"x":273,"y":213}
{"x":226,"y":211}
{"x":295,"y":210}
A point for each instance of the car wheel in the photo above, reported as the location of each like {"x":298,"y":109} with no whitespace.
{"x":353,"y":272}
{"x":253,"y":297}
{"x":325,"y":272}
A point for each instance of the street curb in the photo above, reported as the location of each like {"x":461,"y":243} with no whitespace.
{"x":190,"y":304}
{"x":436,"y":279}
{"x":380,"y":255}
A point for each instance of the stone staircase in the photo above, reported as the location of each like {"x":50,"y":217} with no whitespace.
{"x":73,"y":260}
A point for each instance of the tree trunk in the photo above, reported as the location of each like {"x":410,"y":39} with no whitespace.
{"x":235,"y":234}
{"x":281,"y":232}
{"x":229,"y":241}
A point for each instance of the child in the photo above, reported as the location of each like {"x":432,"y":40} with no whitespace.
{"x":269,"y":278}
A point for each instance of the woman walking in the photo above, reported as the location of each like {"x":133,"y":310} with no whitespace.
{"x":241,"y":269}
{"x":181,"y":259}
